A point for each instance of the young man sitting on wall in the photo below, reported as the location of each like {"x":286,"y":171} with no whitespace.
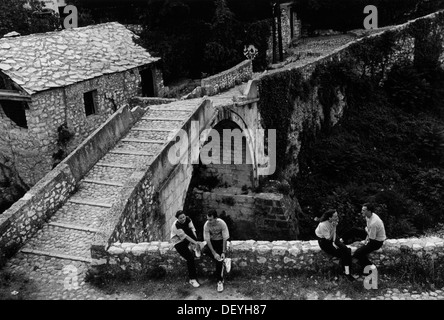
{"x":375,"y":236}
{"x":216,"y":234}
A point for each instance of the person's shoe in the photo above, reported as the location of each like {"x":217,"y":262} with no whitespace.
{"x":194,"y":283}
{"x":227,"y":263}
{"x":220,"y":286}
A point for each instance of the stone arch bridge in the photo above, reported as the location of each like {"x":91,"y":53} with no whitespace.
{"x":128,"y":179}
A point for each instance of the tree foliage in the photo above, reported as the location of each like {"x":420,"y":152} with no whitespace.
{"x":191,"y":45}
{"x":26,"y":17}
{"x":349,"y":14}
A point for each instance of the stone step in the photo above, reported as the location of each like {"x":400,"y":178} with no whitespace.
{"x":125,"y":159}
{"x":96,"y":193}
{"x":80,"y":215}
{"x":61,"y":241}
{"x":162,"y":119}
{"x":73,"y":226}
{"x":142,"y":141}
{"x":152,"y":129}
{"x":181,"y":105}
{"x":142,"y":148}
{"x":154,"y":135}
{"x":118,"y":166}
{"x":56,"y":255}
{"x":158,"y":124}
{"x":167,"y":114}
{"x":109,"y":174}
{"x":103,"y":182}
{"x":91,"y":203}
{"x":131,"y":152}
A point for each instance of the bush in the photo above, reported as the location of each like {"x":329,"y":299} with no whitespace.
{"x":380,"y":152}
{"x":428,"y":188}
{"x":408,"y":89}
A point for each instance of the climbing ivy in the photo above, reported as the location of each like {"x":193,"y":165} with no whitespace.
{"x":278,"y":94}
{"x":355,"y":72}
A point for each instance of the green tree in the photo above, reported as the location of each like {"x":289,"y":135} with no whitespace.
{"x":224,"y":49}
{"x":26,"y":17}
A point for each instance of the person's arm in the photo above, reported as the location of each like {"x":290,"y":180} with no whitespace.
{"x":208,"y":241}
{"x":180,"y":235}
{"x":191,"y":225}
{"x":334,"y":236}
{"x":225,"y":236}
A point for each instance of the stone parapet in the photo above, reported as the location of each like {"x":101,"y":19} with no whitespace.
{"x":27,"y":215}
{"x":227,"y":79}
{"x":255,"y":257}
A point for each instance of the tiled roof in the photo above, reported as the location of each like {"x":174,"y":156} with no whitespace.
{"x":42,"y":61}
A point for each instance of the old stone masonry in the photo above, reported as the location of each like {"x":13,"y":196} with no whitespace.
{"x":57,"y":257}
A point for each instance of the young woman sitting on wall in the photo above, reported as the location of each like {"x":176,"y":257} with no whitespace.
{"x":329,"y":243}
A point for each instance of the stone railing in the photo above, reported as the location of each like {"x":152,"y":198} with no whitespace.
{"x":254,"y":257}
{"x":230,"y":78}
{"x":149,"y":101}
{"x":28,"y":214}
{"x":405,"y":48}
{"x":223,"y":81}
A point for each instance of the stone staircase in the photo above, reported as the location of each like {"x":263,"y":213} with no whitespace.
{"x":65,"y":240}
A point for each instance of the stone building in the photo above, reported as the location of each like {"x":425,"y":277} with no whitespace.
{"x":289,"y":27}
{"x":58,"y":87}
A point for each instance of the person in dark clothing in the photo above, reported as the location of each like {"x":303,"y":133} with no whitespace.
{"x":182,"y":234}
{"x":329,"y":243}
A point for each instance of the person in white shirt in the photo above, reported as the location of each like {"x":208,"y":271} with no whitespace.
{"x":332,"y":245}
{"x":215,"y":233}
{"x":182,"y":234}
{"x":375,"y":236}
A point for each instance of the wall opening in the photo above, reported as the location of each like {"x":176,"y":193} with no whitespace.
{"x":89,"y":100}
{"x":147,"y":83}
{"x":15,"y":110}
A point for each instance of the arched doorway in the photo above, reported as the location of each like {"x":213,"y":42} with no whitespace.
{"x":229,"y":159}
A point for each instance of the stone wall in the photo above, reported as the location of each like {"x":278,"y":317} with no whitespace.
{"x":227,"y":79}
{"x":173,"y":192}
{"x":287,"y":14}
{"x":113,"y":91}
{"x":32,"y":149}
{"x":237,"y":175}
{"x":28,"y":214}
{"x":149,"y":101}
{"x":260,"y":216}
{"x":254,"y":257}
{"x":237,"y":169}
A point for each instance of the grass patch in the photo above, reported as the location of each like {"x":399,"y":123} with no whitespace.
{"x":15,"y":286}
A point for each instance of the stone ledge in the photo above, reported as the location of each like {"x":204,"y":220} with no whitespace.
{"x":251,"y":255}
